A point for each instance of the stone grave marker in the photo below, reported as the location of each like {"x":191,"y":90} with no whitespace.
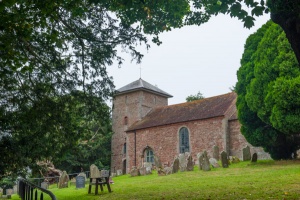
{"x":216,"y":153}
{"x":175,"y":165}
{"x":224,"y":159}
{"x":119,"y":172}
{"x":182,"y":162}
{"x":246,"y":153}
{"x":80,"y":182}
{"x":82,"y":174}
{"x":168,"y":170}
{"x":45,"y":185}
{"x":94,"y":171}
{"x":134,"y":171}
{"x":214,"y":162}
{"x":200,"y":160}
{"x":206,"y":164}
{"x":254,"y":157}
{"x":157,"y":162}
{"x":63,"y":180}
{"x":190,"y":164}
{"x":143,"y":171}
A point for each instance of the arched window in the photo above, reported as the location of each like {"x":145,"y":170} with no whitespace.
{"x":149,"y":155}
{"x":184,"y":142}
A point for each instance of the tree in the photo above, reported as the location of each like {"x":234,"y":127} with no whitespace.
{"x":268,"y":93}
{"x":284,"y":13}
{"x":198,"y":96}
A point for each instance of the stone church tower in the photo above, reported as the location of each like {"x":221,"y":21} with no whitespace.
{"x":130,"y":104}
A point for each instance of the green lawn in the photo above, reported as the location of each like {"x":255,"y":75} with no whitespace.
{"x":263,"y":180}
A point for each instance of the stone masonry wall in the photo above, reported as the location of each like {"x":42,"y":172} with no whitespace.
{"x":164,"y":140}
{"x":133,"y":106}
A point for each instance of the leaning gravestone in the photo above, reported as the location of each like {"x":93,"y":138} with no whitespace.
{"x":45,"y":185}
{"x":216,"y":153}
{"x":182,"y":162}
{"x":246,"y":153}
{"x":63,"y":180}
{"x":200,"y":160}
{"x":206,"y":164}
{"x":224,"y":159}
{"x":80,"y":181}
{"x":254,"y":157}
{"x":190,"y":164}
{"x":134,"y":172}
{"x":214,"y":163}
{"x":157,"y":162}
{"x":175,"y":166}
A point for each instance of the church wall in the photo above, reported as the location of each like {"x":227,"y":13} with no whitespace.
{"x":238,"y":142}
{"x":164,"y":140}
{"x":134,"y":106}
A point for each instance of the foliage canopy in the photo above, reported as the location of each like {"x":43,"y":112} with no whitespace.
{"x":268,"y":92}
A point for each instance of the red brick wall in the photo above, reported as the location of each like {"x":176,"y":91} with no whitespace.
{"x":164,"y":140}
{"x":134,"y":106}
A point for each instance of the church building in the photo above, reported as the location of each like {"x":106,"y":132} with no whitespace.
{"x":145,"y":125}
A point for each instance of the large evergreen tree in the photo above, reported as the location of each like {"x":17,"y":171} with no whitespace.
{"x":268,"y":92}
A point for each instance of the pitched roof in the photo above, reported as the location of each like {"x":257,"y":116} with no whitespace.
{"x":195,"y":110}
{"x":141,"y":85}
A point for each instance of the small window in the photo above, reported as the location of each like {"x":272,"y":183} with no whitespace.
{"x":184,"y":143}
{"x":125,"y":120}
{"x":124,"y":148}
{"x":149,"y":155}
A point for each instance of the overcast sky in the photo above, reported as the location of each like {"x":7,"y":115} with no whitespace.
{"x":196,"y":58}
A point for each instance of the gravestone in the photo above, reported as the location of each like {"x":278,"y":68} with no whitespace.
{"x":148,"y":170}
{"x":143,"y":171}
{"x":157,"y":162}
{"x":134,"y":171}
{"x":224,"y":159}
{"x":161,"y":172}
{"x":190,"y":164}
{"x":147,"y":164}
{"x":168,"y":170}
{"x":246,"y":153}
{"x":234,"y":159}
{"x":9,"y":192}
{"x":80,"y":182}
{"x":216,"y":153}
{"x":45,"y":185}
{"x":104,"y":173}
{"x":182,"y":162}
{"x":175,"y":166}
{"x":206,"y":164}
{"x":200,"y":160}
{"x":254,"y":157}
{"x":119,"y":172}
{"x":82,"y":174}
{"x":214,"y":162}
{"x":15,"y":189}
{"x":94,"y":171}
{"x":113,"y":174}
{"x":63,"y":180}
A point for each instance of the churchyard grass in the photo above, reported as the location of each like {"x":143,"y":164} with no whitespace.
{"x":244,"y":180}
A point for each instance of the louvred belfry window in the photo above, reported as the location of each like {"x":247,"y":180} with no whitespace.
{"x":184,"y":143}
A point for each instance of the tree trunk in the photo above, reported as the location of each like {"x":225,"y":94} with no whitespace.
{"x":290,"y":23}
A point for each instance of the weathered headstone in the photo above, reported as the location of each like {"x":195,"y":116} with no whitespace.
{"x":200,"y":160}
{"x":175,"y":165}
{"x":234,"y":159}
{"x":82,"y":174}
{"x":45,"y":185}
{"x":94,"y":171}
{"x":254,"y":157}
{"x":190,"y":164}
{"x":63,"y":180}
{"x":147,"y":164}
{"x":182,"y":162}
{"x":214,"y":163}
{"x":134,"y":171}
{"x":119,"y":172}
{"x":216,"y":153}
{"x":206,"y":165}
{"x":148,"y":170}
{"x":157,"y":162}
{"x":224,"y":159}
{"x":168,"y":170}
{"x":246,"y":153}
{"x":161,"y":172}
{"x":142,"y":171}
{"x":80,"y":181}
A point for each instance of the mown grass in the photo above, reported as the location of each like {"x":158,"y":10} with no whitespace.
{"x":245,"y":180}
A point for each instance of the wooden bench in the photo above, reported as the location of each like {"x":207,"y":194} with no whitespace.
{"x":100,"y":181}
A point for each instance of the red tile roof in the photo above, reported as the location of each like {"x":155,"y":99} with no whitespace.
{"x":195,"y":110}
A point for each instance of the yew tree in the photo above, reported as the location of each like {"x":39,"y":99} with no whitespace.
{"x":268,"y":91}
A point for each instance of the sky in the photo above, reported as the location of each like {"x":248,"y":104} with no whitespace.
{"x":191,"y":59}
